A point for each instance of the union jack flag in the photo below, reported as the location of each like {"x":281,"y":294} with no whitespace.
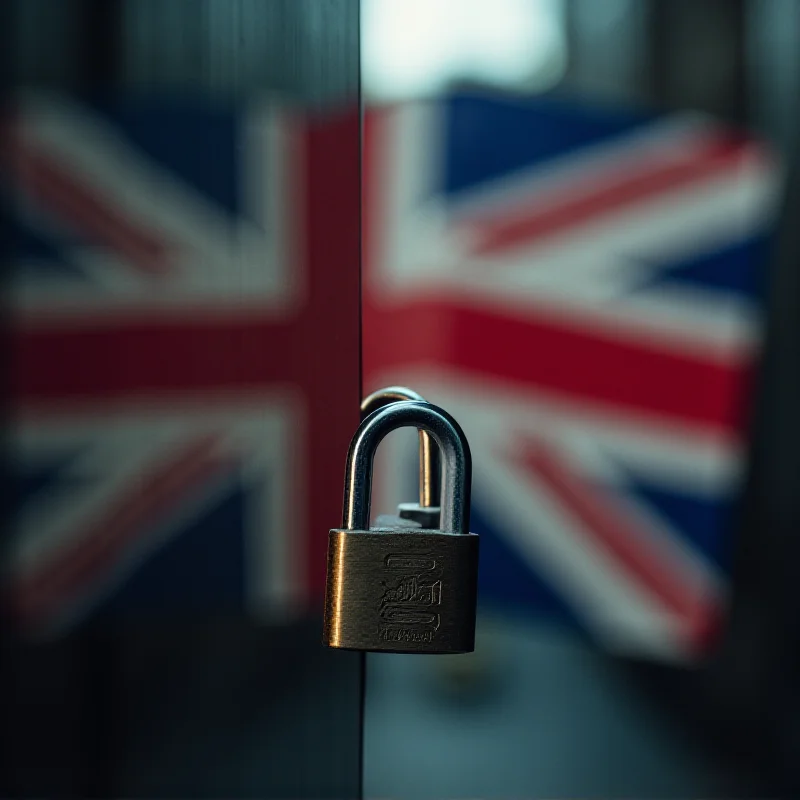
{"x":173,"y":369}
{"x":580,"y":289}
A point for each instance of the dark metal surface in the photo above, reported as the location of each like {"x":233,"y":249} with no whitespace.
{"x":404,"y":591}
{"x":300,"y":49}
{"x":396,"y":591}
{"x":426,"y":511}
{"x":424,"y":516}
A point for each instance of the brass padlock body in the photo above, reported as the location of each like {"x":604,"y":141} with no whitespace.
{"x":413,"y":592}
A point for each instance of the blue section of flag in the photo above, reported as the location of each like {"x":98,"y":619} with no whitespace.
{"x":704,"y":523}
{"x":736,"y":268}
{"x":179,"y":136}
{"x":508,"y":580}
{"x":487,"y":138}
{"x":37,"y":254}
{"x":46,"y":478}
{"x":199,"y":569}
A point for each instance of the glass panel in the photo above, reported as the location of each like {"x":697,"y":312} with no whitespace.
{"x":567,"y":225}
{"x":180,"y":406}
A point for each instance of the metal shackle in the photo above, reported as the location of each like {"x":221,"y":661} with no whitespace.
{"x":428,"y":453}
{"x":456,"y":474}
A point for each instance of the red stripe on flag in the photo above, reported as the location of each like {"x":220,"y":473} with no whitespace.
{"x":559,"y":358}
{"x":102,"y":544}
{"x":106,"y":360}
{"x":327,"y":342}
{"x":65,"y":193}
{"x":621,"y":538}
{"x":624,"y":189}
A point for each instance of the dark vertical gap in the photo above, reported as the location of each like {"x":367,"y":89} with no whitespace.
{"x":657,"y":53}
{"x":7,"y":19}
{"x":768,"y":549}
{"x":99,"y":674}
{"x":739,"y":112}
{"x":101,"y":32}
{"x":688,"y":70}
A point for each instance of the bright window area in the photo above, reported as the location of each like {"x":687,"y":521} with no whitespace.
{"x":413,"y":48}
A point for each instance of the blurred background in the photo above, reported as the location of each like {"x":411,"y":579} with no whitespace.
{"x":570,"y":222}
{"x":578,"y":237}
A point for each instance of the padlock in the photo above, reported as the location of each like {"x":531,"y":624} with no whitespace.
{"x":426,"y":511}
{"x":404,"y":590}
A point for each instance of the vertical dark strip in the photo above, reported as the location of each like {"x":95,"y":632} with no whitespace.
{"x":657,"y":50}
{"x":99,"y":677}
{"x":765,"y":624}
{"x":739,"y":111}
{"x":7,"y":19}
{"x":101,"y":32}
{"x":698,"y":56}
